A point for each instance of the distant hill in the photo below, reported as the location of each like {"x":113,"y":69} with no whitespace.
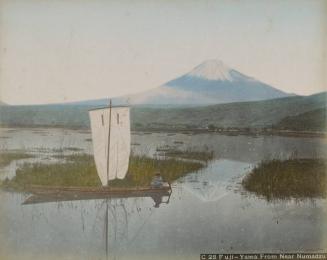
{"x":255,"y":114}
{"x":75,"y":116}
{"x":314,"y":120}
{"x":241,"y":114}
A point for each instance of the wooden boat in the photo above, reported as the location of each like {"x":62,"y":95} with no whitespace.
{"x":44,"y":194}
{"x":111,"y":138}
{"x":51,"y":190}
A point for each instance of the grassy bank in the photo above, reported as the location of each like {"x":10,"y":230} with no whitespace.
{"x":293,"y":178}
{"x":7,"y":157}
{"x":79,"y":170}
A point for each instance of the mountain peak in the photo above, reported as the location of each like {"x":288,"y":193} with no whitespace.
{"x":212,"y":70}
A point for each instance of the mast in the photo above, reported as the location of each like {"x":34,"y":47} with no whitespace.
{"x":107,"y":227}
{"x":108,"y":153}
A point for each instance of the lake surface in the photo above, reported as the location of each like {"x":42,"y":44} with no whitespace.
{"x":208,"y":212}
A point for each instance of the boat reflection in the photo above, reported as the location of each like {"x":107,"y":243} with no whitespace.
{"x":59,"y":197}
{"x":123,"y":218}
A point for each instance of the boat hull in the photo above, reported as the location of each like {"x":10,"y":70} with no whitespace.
{"x":43,"y":194}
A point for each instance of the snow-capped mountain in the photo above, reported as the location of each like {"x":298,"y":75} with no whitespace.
{"x":212,"y":82}
{"x":212,"y":70}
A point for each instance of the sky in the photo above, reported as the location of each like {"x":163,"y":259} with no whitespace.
{"x":68,"y":50}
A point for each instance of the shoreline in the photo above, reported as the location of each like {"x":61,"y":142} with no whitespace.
{"x":232,"y":132}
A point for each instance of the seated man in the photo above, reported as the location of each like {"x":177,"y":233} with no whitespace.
{"x":157,"y":181}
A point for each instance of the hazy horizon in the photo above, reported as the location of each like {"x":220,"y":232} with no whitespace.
{"x":64,"y":51}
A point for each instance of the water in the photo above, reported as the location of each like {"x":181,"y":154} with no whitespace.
{"x":207,"y":212}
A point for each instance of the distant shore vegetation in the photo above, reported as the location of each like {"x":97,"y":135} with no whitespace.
{"x":292,"y":178}
{"x":292,"y":115}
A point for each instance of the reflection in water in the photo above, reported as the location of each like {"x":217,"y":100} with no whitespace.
{"x":203,"y":215}
{"x":158,"y":199}
{"x":117,"y":212}
{"x":117,"y":237}
{"x":212,"y":183}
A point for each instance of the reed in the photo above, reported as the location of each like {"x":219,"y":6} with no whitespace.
{"x":142,"y":169}
{"x":7,"y":157}
{"x":292,"y":178}
{"x":189,"y":153}
{"x":80,"y":170}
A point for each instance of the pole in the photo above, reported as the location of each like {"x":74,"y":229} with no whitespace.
{"x":108,"y":153}
{"x":107,"y":227}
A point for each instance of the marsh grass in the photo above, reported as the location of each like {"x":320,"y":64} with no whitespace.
{"x":74,"y":149}
{"x":189,"y":153}
{"x":292,"y":178}
{"x":62,"y":150}
{"x":142,"y":169}
{"x":7,"y":157}
{"x":80,"y":170}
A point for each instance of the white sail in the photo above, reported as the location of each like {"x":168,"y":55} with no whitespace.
{"x":114,"y":165}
